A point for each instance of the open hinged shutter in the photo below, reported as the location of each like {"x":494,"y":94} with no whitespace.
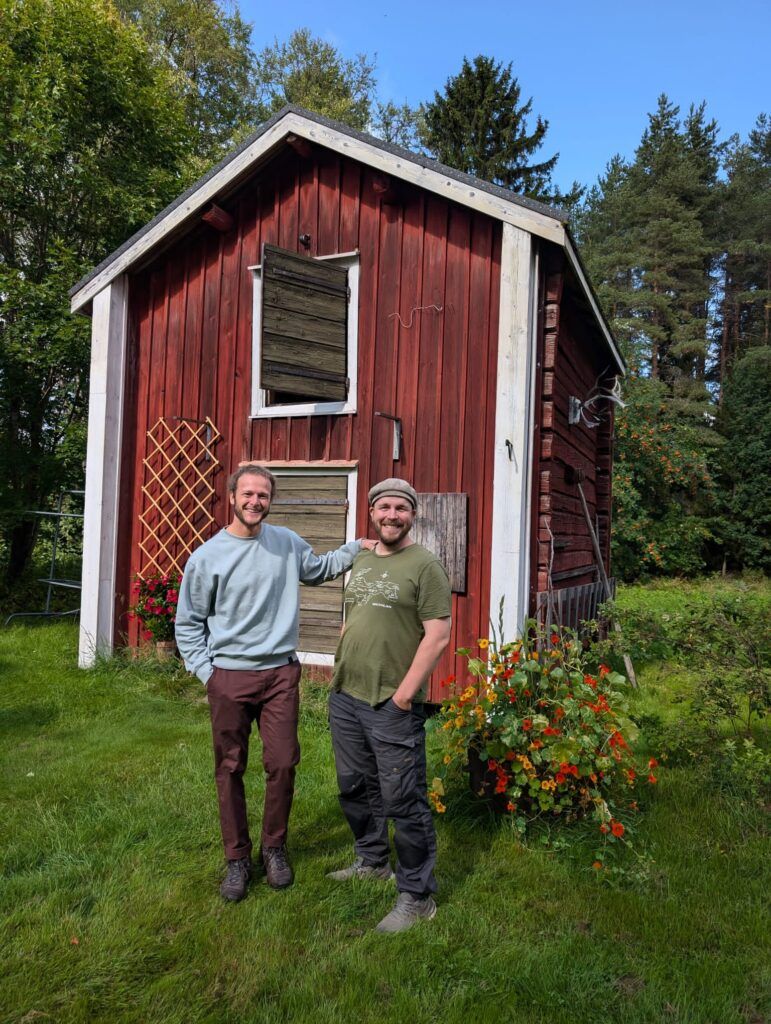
{"x":441,"y":526}
{"x":316,"y":506}
{"x":304,"y":325}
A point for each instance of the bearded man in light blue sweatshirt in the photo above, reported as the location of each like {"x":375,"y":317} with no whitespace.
{"x":237,"y":630}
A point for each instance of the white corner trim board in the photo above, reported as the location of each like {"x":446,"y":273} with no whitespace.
{"x":105,"y":423}
{"x":512,"y":441}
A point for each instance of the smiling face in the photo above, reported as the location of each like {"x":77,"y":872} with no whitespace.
{"x":251,"y":504}
{"x":392,"y":518}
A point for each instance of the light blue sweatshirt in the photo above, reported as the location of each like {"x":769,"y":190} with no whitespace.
{"x":239,"y":603}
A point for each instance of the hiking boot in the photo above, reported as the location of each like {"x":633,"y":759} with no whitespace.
{"x":408,"y":911}
{"x":277,"y":867}
{"x":236,"y":881}
{"x":360,"y":869}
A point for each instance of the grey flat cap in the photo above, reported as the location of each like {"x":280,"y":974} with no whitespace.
{"x":393,"y":487}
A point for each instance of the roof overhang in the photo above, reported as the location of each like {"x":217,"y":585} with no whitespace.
{"x":464,"y":189}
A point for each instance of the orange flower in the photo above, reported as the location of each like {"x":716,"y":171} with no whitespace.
{"x":616,"y":828}
{"x":509,"y":755}
{"x":510,"y":806}
{"x":604,"y":829}
{"x":652,"y":762}
{"x":652,"y":779}
{"x":597,"y":865}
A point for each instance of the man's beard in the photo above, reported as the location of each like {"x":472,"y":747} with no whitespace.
{"x":238,"y":512}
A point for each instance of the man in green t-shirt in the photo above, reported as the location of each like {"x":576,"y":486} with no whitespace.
{"x":398,"y":607}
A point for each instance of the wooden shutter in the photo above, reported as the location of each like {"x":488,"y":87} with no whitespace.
{"x":304,"y":326}
{"x":316,"y":506}
{"x":441,"y":526}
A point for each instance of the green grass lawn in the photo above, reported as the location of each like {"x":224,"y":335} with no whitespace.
{"x":111,"y":859}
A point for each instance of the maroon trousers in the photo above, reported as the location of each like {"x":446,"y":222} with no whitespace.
{"x":271,"y":698}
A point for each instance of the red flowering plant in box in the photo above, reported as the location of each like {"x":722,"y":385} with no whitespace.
{"x":155,"y":606}
{"x":543,"y":732}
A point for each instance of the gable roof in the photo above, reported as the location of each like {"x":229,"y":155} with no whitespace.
{"x":495,"y":201}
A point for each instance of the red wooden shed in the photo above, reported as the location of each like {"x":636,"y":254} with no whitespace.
{"x":344,"y":310}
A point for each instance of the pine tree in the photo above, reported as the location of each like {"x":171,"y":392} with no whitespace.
{"x":480,"y":126}
{"x":745,"y":231}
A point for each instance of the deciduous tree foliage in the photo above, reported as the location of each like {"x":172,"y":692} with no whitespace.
{"x":210,"y":50}
{"x":92,"y":136}
{"x":311,"y":73}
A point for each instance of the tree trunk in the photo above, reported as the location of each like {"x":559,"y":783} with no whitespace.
{"x":20,"y":547}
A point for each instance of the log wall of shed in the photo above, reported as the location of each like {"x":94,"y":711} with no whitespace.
{"x":570,"y":362}
{"x":190,"y":341}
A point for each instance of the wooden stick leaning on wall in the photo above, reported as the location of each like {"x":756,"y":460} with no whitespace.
{"x":576,"y":476}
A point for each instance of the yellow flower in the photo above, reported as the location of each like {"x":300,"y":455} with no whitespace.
{"x":459,"y":721}
{"x":548,"y":784}
{"x":483,"y":643}
{"x":447,"y":759}
{"x":440,"y":808}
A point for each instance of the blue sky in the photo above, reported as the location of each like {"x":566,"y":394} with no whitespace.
{"x":594,"y":69}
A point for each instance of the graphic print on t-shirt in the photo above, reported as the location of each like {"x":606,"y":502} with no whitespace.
{"x":363,"y":590}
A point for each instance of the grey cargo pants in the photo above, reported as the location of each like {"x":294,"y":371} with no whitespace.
{"x":380,"y":757}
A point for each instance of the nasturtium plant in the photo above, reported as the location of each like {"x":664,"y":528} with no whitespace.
{"x":543,"y":733}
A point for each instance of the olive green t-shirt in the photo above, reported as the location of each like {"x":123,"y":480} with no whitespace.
{"x":387,"y":600}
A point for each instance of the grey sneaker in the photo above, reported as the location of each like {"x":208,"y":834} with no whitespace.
{"x":236,"y":881}
{"x":408,"y":911}
{"x":360,"y":869}
{"x":277,"y":867}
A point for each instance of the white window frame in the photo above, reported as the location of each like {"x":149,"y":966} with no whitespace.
{"x":351,"y":471}
{"x":260,"y":407}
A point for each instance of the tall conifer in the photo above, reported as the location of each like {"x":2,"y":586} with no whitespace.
{"x":479,"y":125}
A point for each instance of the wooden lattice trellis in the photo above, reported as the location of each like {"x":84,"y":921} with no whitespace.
{"x":177,"y":493}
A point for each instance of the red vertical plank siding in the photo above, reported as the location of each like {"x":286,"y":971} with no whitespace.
{"x":410,"y":292}
{"x":427,"y":439}
{"x":190,"y":340}
{"x":386,"y":342}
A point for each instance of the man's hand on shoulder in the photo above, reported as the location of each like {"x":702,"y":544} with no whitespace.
{"x":367,"y":544}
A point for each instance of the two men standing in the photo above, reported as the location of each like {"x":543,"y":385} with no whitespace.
{"x":237,"y":628}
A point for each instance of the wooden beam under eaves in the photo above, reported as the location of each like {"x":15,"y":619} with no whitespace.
{"x":301,"y":146}
{"x":218,"y":218}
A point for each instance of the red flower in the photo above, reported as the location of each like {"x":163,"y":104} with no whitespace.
{"x":604,"y":670}
{"x":550,"y":730}
{"x":527,"y":724}
{"x":492,"y":764}
{"x":172,"y":596}
{"x":511,"y":807}
{"x":526,"y":693}
{"x":509,"y":755}
{"x":652,"y":779}
{"x":147,"y":634}
{"x":604,"y":829}
{"x":559,"y":713}
{"x":616,"y":828}
{"x":560,"y":778}
{"x":652,"y":762}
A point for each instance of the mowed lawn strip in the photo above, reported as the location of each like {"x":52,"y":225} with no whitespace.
{"x":111,"y":859}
